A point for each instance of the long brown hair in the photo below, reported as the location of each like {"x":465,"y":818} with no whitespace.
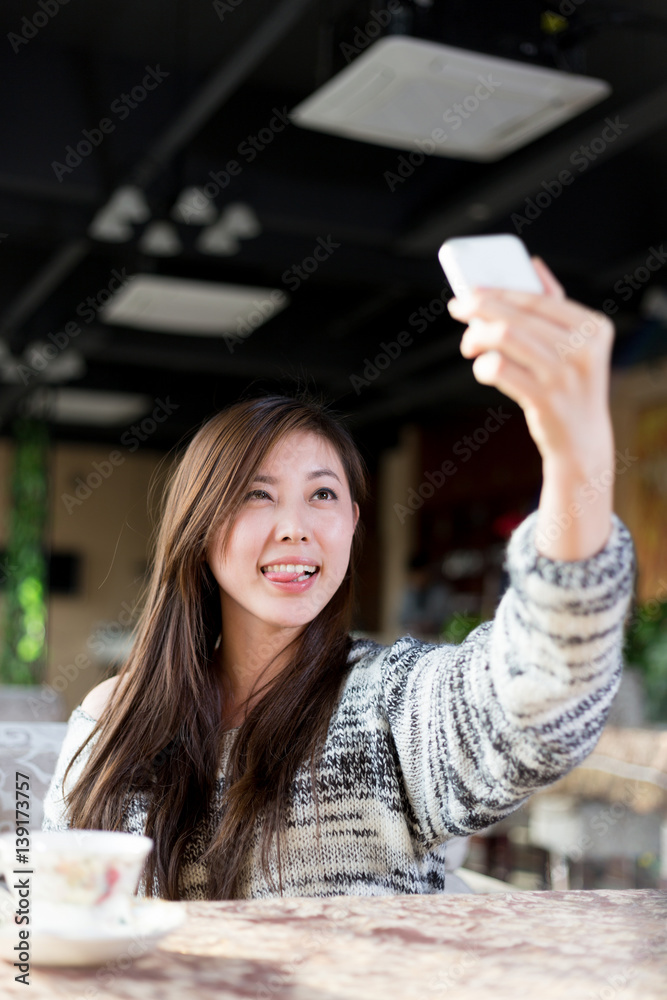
{"x":160,"y":732}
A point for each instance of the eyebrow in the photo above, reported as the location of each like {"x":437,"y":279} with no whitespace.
{"x":315,"y":474}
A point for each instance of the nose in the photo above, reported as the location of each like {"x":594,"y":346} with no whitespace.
{"x":292,"y":534}
{"x":292,"y":523}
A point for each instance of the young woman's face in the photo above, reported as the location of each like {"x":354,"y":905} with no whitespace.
{"x":298,"y":514}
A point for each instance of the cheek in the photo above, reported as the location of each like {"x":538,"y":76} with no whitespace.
{"x":339,"y":541}
{"x":244,"y":542}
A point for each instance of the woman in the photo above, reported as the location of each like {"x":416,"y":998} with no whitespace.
{"x":265,"y":751}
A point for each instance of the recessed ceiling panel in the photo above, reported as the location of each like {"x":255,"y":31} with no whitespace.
{"x":443,"y":101}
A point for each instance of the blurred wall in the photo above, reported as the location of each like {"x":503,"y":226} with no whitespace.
{"x":399,"y":470}
{"x":639,"y":412}
{"x":110,"y":529}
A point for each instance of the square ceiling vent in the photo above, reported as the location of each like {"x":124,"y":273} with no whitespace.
{"x":198,"y":308}
{"x":412,"y":94}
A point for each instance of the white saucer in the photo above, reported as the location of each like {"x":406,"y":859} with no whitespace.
{"x":150,"y":920}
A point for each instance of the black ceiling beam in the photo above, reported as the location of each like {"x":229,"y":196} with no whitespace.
{"x":218,"y":360}
{"x":209,"y":98}
{"x":412,"y":360}
{"x":41,"y":285}
{"x":510,"y":186}
{"x":359,"y":234}
{"x":605,"y":279}
{"x":31,"y":296}
{"x":361,"y":315}
{"x":453,"y":382}
{"x":218,"y":88}
{"x":38,"y":190}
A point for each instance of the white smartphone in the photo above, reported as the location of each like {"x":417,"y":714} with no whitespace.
{"x":498,"y":261}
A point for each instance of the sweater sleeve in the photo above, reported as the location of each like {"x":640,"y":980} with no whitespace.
{"x":78,"y":727}
{"x":481,"y":726}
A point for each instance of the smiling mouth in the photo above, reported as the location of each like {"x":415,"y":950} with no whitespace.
{"x":290,"y":572}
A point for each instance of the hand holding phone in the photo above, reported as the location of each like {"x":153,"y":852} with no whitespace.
{"x":552,"y":356}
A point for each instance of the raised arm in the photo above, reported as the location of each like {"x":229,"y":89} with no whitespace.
{"x":551,"y":355}
{"x":479,"y":727}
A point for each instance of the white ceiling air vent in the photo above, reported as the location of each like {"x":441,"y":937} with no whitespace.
{"x":199,"y":308}
{"x":411,"y":94}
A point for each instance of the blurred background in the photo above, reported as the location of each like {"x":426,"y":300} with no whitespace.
{"x":197,"y":199}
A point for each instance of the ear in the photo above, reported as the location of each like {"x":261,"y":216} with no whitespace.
{"x":355,"y":508}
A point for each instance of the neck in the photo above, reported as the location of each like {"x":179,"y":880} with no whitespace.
{"x":250,"y":655}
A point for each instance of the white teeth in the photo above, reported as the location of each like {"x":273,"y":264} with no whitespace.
{"x":289,"y":568}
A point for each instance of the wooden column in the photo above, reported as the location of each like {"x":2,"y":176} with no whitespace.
{"x":399,"y":469}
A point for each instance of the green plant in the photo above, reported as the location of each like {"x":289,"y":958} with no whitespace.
{"x":646,"y":648}
{"x":458,"y":627}
{"x":23,"y":646}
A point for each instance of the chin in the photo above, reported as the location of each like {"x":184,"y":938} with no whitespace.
{"x":290,"y":620}
{"x":293,"y":621}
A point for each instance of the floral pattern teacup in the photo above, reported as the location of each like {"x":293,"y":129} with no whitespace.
{"x":74,"y":880}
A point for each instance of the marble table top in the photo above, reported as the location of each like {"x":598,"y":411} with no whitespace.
{"x":581,"y":945}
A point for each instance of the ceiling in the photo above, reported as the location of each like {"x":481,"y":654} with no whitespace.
{"x":222,"y":70}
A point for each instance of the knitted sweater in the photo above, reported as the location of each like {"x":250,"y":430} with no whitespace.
{"x":430,"y":742}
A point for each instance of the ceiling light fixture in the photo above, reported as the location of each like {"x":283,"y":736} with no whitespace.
{"x":240,"y":219}
{"x":114,"y":222}
{"x":187,"y":307}
{"x":160,"y":239}
{"x":96,"y":407}
{"x":69,"y":364}
{"x":194,"y":207}
{"x":217,"y":240}
{"x":237,"y":222}
{"x":408,"y":93}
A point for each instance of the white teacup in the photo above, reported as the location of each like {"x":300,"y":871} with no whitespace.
{"x":74,"y":879}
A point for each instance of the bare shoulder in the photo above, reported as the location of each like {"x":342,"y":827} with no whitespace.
{"x":96,"y":699}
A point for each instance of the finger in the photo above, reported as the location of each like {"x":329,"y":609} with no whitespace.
{"x":504,"y":315}
{"x":507,"y":376}
{"x":550,"y":283}
{"x":570,"y":316}
{"x":513,"y":340}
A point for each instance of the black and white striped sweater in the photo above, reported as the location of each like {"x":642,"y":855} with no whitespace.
{"x":429,"y":742}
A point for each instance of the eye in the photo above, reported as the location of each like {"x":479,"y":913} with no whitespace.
{"x":258,"y":494}
{"x":326,"y":489}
